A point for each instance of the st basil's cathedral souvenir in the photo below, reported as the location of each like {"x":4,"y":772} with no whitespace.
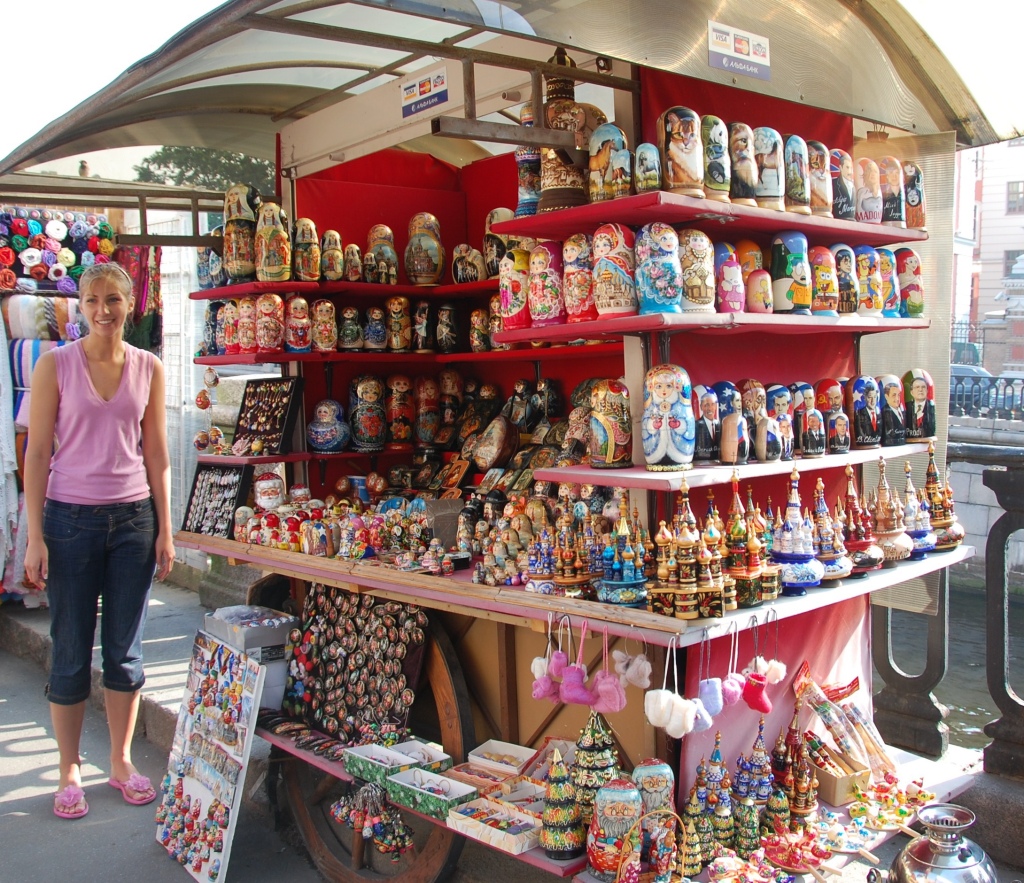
{"x":328,"y":432}
{"x":743,"y":183}
{"x":269,"y":323}
{"x":424,"y":255}
{"x":400,"y":412}
{"x":306,"y":251}
{"x":447,"y":328}
{"x":562,"y":184}
{"x":697,"y":258}
{"x":247,"y":325}
{"x":821,"y":180}
{"x":614,"y":271}
{"x":325,"y":327}
{"x":862,"y":407}
{"x":241,"y":207}
{"x":891,"y":298}
{"x":399,"y":324}
{"x":527,"y":170}
{"x":750,"y":256}
{"x":844,"y":198}
{"x":760,"y":298}
{"x":578,"y":278}
{"x":366,"y":414}
{"x":667,"y":426}
{"x":791,"y":273}
{"x":422,"y":328}
{"x":647,"y":169}
{"x":824,"y":285}
{"x":708,"y":429}
{"x":771,"y":169}
{"x":545,"y":298}
{"x":731,"y":294}
{"x":380,"y":261}
{"x":350,"y":332}
{"x":610,"y":163}
{"x":846,"y":277}
{"x":428,"y":411}
{"x":332,"y":257}
{"x":273,"y":245}
{"x":353,"y":263}
{"x":869,"y":192}
{"x":869,"y":281}
{"x":494,"y":243}
{"x":375,"y":334}
{"x":467,"y":265}
{"x":514,"y":289}
{"x":913,"y":185}
{"x":908,"y":269}
{"x":714,"y":138}
{"x":297,"y":326}
{"x":659,"y":284}
{"x":798,"y":181}
{"x":894,"y":208}
{"x":894,"y":428}
{"x":611,"y":428}
{"x":919,"y":394}
{"x":682,"y":154}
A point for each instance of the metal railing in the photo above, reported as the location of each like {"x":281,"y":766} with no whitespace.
{"x":998,"y":397}
{"x":967,"y":342}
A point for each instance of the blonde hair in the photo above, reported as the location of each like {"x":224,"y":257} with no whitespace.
{"x":112,"y":272}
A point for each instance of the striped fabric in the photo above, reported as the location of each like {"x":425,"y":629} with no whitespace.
{"x":35,"y":317}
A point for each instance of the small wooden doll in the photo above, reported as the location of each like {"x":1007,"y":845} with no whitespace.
{"x":708,"y":429}
{"x":422,"y":328}
{"x":846,"y":277}
{"x":350,"y":335}
{"x":614,"y":271}
{"x":400,"y":412}
{"x":667,"y":425}
{"x":798,"y":181}
{"x":821,"y":180}
{"x":428,"y":411}
{"x":771,"y":169}
{"x":545,"y":299}
{"x":332,"y":257}
{"x":717,"y":161}
{"x":919,"y":395}
{"x":913,"y":182}
{"x":447,"y":328}
{"x":844,"y":198}
{"x":658,"y":270}
{"x":578,"y":278}
{"x":682,"y":153}
{"x":375,"y":335}
{"x":869,"y":280}
{"x":791,"y":273}
{"x":894,"y":428}
{"x":891,"y":296}
{"x":908,"y":268}
{"x":273,"y":245}
{"x":824,"y":286}
{"x":743,"y":183}
{"x":325,"y":328}
{"x":306,"y":251}
{"x":297,"y":325}
{"x":894,"y":206}
{"x":399,"y":324}
{"x":862,"y":407}
{"x":869,"y":192}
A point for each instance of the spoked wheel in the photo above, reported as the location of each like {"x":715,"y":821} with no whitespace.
{"x":441,"y":712}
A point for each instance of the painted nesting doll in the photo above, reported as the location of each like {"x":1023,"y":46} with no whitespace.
{"x":814,"y":440}
{"x":350,"y":334}
{"x":753,"y":399}
{"x":869,"y":281}
{"x":667,"y":427}
{"x":447,"y":328}
{"x":708,"y":427}
{"x":545,"y":301}
{"x":919,"y":395}
{"x":328,"y":432}
{"x":735,"y":445}
{"x":227,"y":327}
{"x":400,"y":412}
{"x":824,"y":285}
{"x":618,"y":807}
{"x":647,"y":168}
{"x":697,"y":258}
{"x":862,"y":407}
{"x":798,"y":180}
{"x":306,"y":251}
{"x":611,"y":428}
{"x":894,"y":206}
{"x":366,"y":414}
{"x":480,"y":330}
{"x":325,"y":327}
{"x":682,"y":153}
{"x":467,"y":265}
{"x":375,"y":334}
{"x":846,"y":277}
{"x":731,"y":293}
{"x":241,"y":208}
{"x":714,"y":138}
{"x":614,"y":271}
{"x":869,"y":192}
{"x":514,"y":289}
{"x":891,"y":296}
{"x":610,"y":163}
{"x":894,"y":427}
{"x":399,"y":324}
{"x":722,"y":251}
{"x":771,"y":169}
{"x":297,"y":326}
{"x":750,"y":256}
{"x":908,"y":269}
{"x":780,"y":406}
{"x":803,"y":401}
{"x":424,"y":255}
{"x":839,"y":435}
{"x":428,"y":410}
{"x":422,"y":328}
{"x":269,"y":323}
{"x":527,"y":170}
{"x":913,"y":184}
{"x":760,"y":297}
{"x":353,"y":271}
{"x":659,"y":274}
{"x":494,"y":243}
{"x":821,"y":180}
{"x":496,"y":324}
{"x":828,"y":396}
{"x":767,"y":438}
{"x":380,"y":262}
{"x":273,"y":245}
{"x":332,"y":256}
{"x":744,"y":178}
{"x":791,"y":273}
{"x":844,"y":200}
{"x":578,"y":278}
{"x":247,"y":325}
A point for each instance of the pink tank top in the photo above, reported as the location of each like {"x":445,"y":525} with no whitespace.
{"x":99,"y":444}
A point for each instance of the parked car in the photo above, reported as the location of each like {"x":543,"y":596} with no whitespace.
{"x":970,"y":387}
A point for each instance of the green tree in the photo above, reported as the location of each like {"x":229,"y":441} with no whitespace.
{"x":209,"y":169}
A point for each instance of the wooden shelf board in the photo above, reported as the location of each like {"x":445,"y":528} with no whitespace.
{"x":537,"y":354}
{"x":356,"y":289}
{"x":232,"y":460}
{"x":332,"y":767}
{"x":242,"y":289}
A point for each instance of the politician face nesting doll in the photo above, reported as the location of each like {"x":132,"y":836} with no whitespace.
{"x":864,"y":411}
{"x":667,"y":426}
{"x":894,"y":429}
{"x":840,"y":166}
{"x":894,"y":211}
{"x":919,"y":395}
{"x":708,"y":428}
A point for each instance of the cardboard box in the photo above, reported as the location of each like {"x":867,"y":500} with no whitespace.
{"x":540,"y":763}
{"x":411,"y":788}
{"x":475,"y":775}
{"x":374,"y":763}
{"x":520,"y":794}
{"x":501,"y":757}
{"x":839,"y":790}
{"x":229,"y":624}
{"x":427,"y":755}
{"x":469,"y":819}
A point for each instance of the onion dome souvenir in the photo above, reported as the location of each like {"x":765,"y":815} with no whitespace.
{"x":948,"y":530}
{"x":771,"y":169}
{"x":821,"y":180}
{"x":659,"y":283}
{"x":647,"y":169}
{"x":793,"y":546}
{"x":682,"y":152}
{"x":846,"y":277}
{"x":380,"y":261}
{"x":894,"y":207}
{"x":514,"y":288}
{"x":618,"y":807}
{"x":328,"y":432}
{"x":306,"y":251}
{"x":467,"y":265}
{"x":894,"y":431}
{"x":917,"y":518}
{"x":911,"y":283}
{"x":798,"y":182}
{"x":578,"y":278}
{"x":791,"y":273}
{"x":858,"y":527}
{"x":611,"y":428}
{"x":760,"y":297}
{"x":353,"y":266}
{"x":919,"y":395}
{"x":269,"y":323}
{"x":611,"y":163}
{"x":717,"y":159}
{"x":887,"y":511}
{"x":869,"y":192}
{"x":744,"y":178}
{"x":545,"y":299}
{"x":869,"y":281}
{"x":332,"y":256}
{"x":843,"y":189}
{"x":398,"y":323}
{"x":697,"y":258}
{"x":495,"y":244}
{"x":527,"y":170}
{"x":913,"y":183}
{"x":667,"y":425}
{"x":828,"y":539}
{"x":298,"y":328}
{"x":424,"y":255}
{"x":614,"y":271}
{"x":824,"y":285}
{"x":273,"y":245}
{"x":241,"y":207}
{"x":367,"y":416}
{"x":891,"y":295}
{"x":863,"y":408}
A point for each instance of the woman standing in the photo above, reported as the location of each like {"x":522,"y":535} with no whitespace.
{"x":97,"y":500}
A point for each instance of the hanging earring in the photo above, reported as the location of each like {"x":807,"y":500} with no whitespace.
{"x":775,"y":668}
{"x":634,"y":670}
{"x":732,"y":683}
{"x":755,"y":686}
{"x":709,"y":689}
{"x":573,"y":689}
{"x":610,"y":695}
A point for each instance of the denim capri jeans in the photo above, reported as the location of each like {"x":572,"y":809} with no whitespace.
{"x":98,"y":552}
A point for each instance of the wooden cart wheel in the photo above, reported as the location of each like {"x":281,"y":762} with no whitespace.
{"x":441,"y":712}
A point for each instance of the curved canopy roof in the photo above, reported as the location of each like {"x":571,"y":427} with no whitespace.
{"x":238,"y":76}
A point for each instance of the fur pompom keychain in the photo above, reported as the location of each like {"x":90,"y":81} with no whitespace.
{"x":635,"y":670}
{"x":560,"y":659}
{"x":609,"y":693}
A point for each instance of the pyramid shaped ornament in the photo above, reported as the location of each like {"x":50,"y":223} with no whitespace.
{"x":949,"y":533}
{"x":563,"y":836}
{"x":596,"y":763}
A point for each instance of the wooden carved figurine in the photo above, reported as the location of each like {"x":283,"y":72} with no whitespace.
{"x":578,"y":278}
{"x":869,"y":192}
{"x":682,"y":154}
{"x":241,"y":208}
{"x":424,"y":255}
{"x":325,"y":327}
{"x":894,"y":428}
{"x":919,"y":395}
{"x":824,"y":285}
{"x":821,"y":180}
{"x":545,"y":298}
{"x":332,"y":256}
{"x":273,"y":245}
{"x":869,"y":281}
{"x":399,"y":324}
{"x":908,"y":268}
{"x":614,"y":263}
{"x":717,"y":162}
{"x":862,"y":407}
{"x":894,"y":206}
{"x":659,"y":282}
{"x":846,"y":277}
{"x":798,"y":181}
{"x":350,"y":335}
{"x":611,"y":428}
{"x":791,"y":273}
{"x":611,"y":164}
{"x":647,"y":168}
{"x":771,"y":169}
{"x":697,"y":258}
{"x":844,"y":193}
{"x":913,"y":183}
{"x":891,"y":296}
{"x":667,"y":426}
{"x":306,"y":251}
{"x":743,"y":183}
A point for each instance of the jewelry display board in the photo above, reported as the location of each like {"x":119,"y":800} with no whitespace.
{"x":216,"y":492}
{"x":268,"y":413}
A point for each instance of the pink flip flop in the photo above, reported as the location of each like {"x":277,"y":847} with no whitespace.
{"x":65,"y":801}
{"x":137,"y":783}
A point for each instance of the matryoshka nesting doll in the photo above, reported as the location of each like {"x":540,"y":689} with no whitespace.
{"x":306,"y":251}
{"x":913,"y":185}
{"x":647,"y":168}
{"x":328,"y":432}
{"x":269,"y":323}
{"x":325,"y":327}
{"x":428,"y":410}
{"x":753,"y":398}
{"x":366,"y":414}
{"x":717,"y":162}
{"x":514,"y":288}
{"x":869,"y":192}
{"x":611,"y":427}
{"x":697,"y":258}
{"x":399,"y":324}
{"x":894,"y":427}
{"x":496,"y":323}
{"x":297,"y":326}
{"x":682,"y":154}
{"x":479,"y":330}
{"x":760,"y":298}
{"x":350,"y":334}
{"x":821,"y":180}
{"x":743,"y":183}
{"x":735,"y":446}
{"x":422,"y":328}
{"x":227,"y":328}
{"x":771,"y":169}
{"x":791,"y":273}
{"x":424,"y":255}
{"x":618,"y":808}
{"x":824,"y":285}
{"x":869,"y":281}
{"x":828,"y":399}
{"x":798,"y":181}
{"x":844,"y":191}
{"x":731,"y":293}
{"x":447,"y":328}
{"x":814,"y":440}
{"x":247,"y":325}
{"x":908,"y":268}
{"x":467,"y":265}
{"x":614,"y":269}
{"x":495,"y":244}
{"x":803,"y":401}
{"x":610,"y":163}
{"x":353,"y":257}
{"x":667,"y":425}
{"x":375,"y":334}
{"x":659,"y":274}
{"x":767,"y":437}
{"x":241,"y":208}
{"x":891,"y":296}
{"x":894,"y":208}
{"x":919,"y":395}
{"x":839,"y":435}
{"x":400,"y":410}
{"x":722,"y":251}
{"x":273,"y":245}
{"x":780,"y":404}
{"x":380,"y":262}
{"x":708,"y":428}
{"x":332,"y":256}
{"x":750,"y":257}
{"x":846,"y":277}
{"x":527,"y":158}
{"x":578,"y":278}
{"x":862,"y":407}
{"x":545,"y":298}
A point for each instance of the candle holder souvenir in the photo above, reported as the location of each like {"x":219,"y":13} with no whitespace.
{"x":380,"y":262}
{"x":527,"y":170}
{"x":227,"y":328}
{"x":824,"y":284}
{"x":862,"y":407}
{"x":734,"y":449}
{"x":247,"y":325}
{"x":269,"y":323}
{"x":791,"y":274}
{"x":697,"y":258}
{"x":266,"y":417}
{"x":714,"y":138}
{"x":760,"y":297}
{"x":325,"y":327}
{"x":708,"y":427}
{"x":844,"y":191}
{"x":731,"y":294}
{"x":908,"y":268}
{"x":298,"y":329}
{"x":894,"y":428}
{"x":495,"y":245}
{"x":798,"y":181}
{"x":328,"y":432}
{"x":667,"y":427}
{"x":375,"y":334}
{"x":428,"y":411}
{"x":618,"y":807}
{"x":422,"y":328}
{"x":869,"y":281}
{"x":913,"y":184}
{"x":400,"y":412}
{"x":682,"y":153}
{"x":891,"y":296}
{"x":894,"y":206}
{"x":611,"y":164}
{"x":659,"y":272}
{"x":306,"y":251}
{"x":332,"y":256}
{"x":771,"y":168}
{"x":614,"y":271}
{"x":821,"y":180}
{"x":846,"y":278}
{"x":869,"y":192}
{"x":779,"y":401}
{"x":578,"y":278}
{"x":545,"y":301}
{"x":611,"y":428}
{"x":793,"y":546}
{"x":514,"y":288}
{"x":813,"y":440}
{"x":744,"y":177}
{"x":273,"y":245}
{"x":424,"y":255}
{"x":399,"y":324}
{"x":217,"y":492}
{"x":241,"y":208}
{"x":479,"y":331}
{"x":353,"y":263}
{"x":367,"y":415}
{"x":919,"y":395}
{"x":647,"y":168}
{"x":750,"y":256}
{"x":467,"y":265}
